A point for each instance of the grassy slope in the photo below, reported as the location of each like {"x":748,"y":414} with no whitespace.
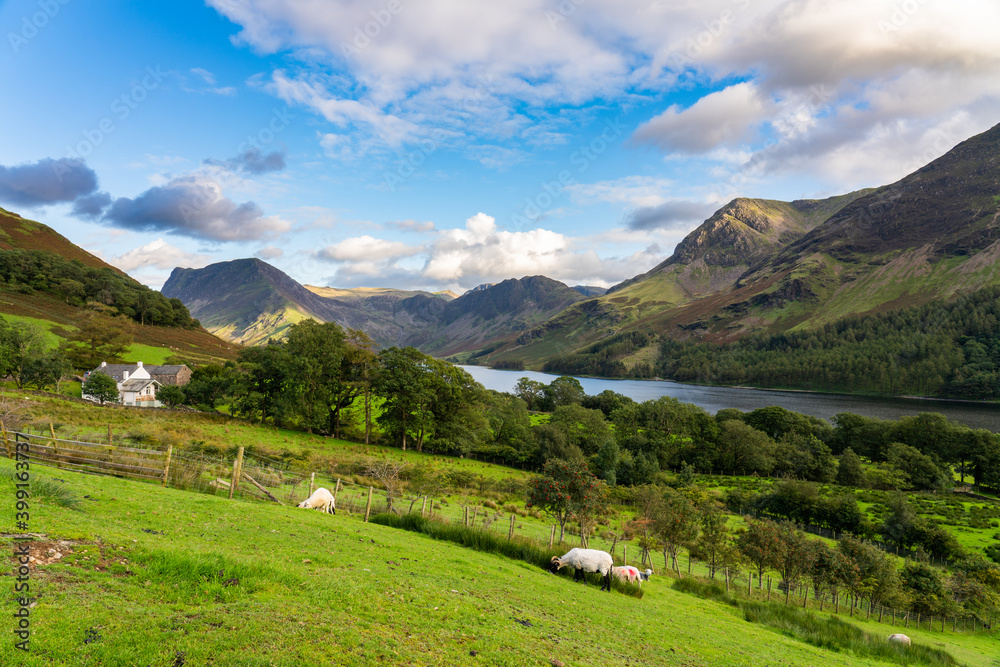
{"x":59,"y":318}
{"x":158,"y":572}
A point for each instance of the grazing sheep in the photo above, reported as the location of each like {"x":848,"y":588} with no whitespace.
{"x":321,"y":499}
{"x":631,"y":574}
{"x":900,"y":639}
{"x":585,"y":560}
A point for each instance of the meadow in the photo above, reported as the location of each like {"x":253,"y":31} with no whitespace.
{"x":132,"y":573}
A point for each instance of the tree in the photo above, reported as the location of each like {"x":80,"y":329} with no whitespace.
{"x":47,"y":369}
{"x":676,"y":524}
{"x":760,"y":544}
{"x":849,"y":470}
{"x":171,"y":396}
{"x":830,"y":570}
{"x":565,"y":489}
{"x":921,"y":470}
{"x":564,"y":390}
{"x":510,"y":427}
{"x":793,"y":555}
{"x":878,"y":578}
{"x":25,"y":342}
{"x":102,"y":387}
{"x":714,"y":545}
{"x":743,"y":449}
{"x":897,"y":527}
{"x":388,"y":473}
{"x":584,"y":428}
{"x":924,"y":586}
{"x":209,"y":385}
{"x":402,"y":378}
{"x":100,"y":336}
{"x":260,"y":381}
{"x":532,"y":392}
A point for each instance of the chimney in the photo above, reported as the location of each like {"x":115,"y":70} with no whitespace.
{"x":103,"y":364}
{"x":139,"y":363}
{"x":124,"y":376}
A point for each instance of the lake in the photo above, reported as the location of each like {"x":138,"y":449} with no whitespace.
{"x":712,"y":399}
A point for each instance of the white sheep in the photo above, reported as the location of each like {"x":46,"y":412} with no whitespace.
{"x":900,"y":639}
{"x":585,"y":560}
{"x":631,"y":574}
{"x":321,"y":499}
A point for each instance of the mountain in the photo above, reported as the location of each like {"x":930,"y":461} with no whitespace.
{"x":259,"y":302}
{"x":709,"y":260}
{"x":589,"y":290}
{"x":769,"y":266}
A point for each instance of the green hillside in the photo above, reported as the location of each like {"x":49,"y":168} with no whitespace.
{"x":136,"y":574}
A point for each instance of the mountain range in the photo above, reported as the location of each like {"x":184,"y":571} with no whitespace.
{"x":261,"y":302}
{"x":754,"y":266}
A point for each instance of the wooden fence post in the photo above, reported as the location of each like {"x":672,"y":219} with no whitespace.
{"x":312,"y":485}
{"x":727,"y":579}
{"x":237,"y":465}
{"x":166,"y":465}
{"x":368,"y":505}
{"x":510,"y":534}
{"x":475,"y":511}
{"x":465,"y":516}
{"x":624,"y":554}
{"x":110,"y":443}
{"x":6,"y":443}
{"x":423,"y":506}
{"x":552,"y":536}
{"x":749,"y":584}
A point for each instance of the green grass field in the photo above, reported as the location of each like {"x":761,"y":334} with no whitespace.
{"x":151,"y":576}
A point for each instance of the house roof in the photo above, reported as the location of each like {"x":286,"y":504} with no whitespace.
{"x":165,"y":370}
{"x":138,"y":385}
{"x":117,"y":371}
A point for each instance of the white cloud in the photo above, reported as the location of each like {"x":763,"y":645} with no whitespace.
{"x":366,"y":249}
{"x":634,"y":191}
{"x":480,"y":252}
{"x":722,"y":118}
{"x":819,"y":81}
{"x":159,"y":254}
{"x":269,"y":252}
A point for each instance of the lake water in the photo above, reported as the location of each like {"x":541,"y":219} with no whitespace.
{"x":712,"y":399}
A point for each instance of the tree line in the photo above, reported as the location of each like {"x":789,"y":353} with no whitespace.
{"x":77,"y":284}
{"x":948,"y":349}
{"x":682,"y":516}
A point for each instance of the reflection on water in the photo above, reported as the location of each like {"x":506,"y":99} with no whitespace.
{"x":976,"y":415}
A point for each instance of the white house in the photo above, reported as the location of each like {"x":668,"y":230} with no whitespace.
{"x":135,"y":386}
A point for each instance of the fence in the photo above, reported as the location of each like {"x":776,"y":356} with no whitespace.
{"x":258,"y":478}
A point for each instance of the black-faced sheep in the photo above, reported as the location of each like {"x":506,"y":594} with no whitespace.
{"x":631,"y":574}
{"x":321,"y":499}
{"x":585,"y":560}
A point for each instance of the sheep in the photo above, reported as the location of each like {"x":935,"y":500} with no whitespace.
{"x":631,"y":574}
{"x":900,"y":639}
{"x":585,"y":560}
{"x":321,"y":499}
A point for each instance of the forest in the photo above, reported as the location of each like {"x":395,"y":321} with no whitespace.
{"x":77,"y":284}
{"x":944,"y":349}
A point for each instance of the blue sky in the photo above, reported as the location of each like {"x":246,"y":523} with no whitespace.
{"x":441,"y":144}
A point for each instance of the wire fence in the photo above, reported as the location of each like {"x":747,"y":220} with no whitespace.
{"x":260,"y":479}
